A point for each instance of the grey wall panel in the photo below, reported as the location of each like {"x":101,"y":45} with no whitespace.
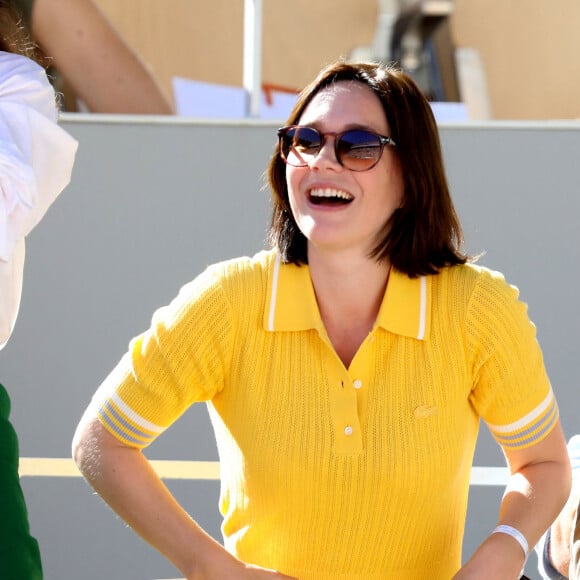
{"x":152,"y":202}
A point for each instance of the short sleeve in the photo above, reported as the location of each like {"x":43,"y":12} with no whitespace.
{"x":512,"y":392}
{"x":181,"y":359}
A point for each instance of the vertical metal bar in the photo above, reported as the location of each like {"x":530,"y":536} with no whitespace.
{"x":253,"y":56}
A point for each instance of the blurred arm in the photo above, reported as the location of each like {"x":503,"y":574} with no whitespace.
{"x":98,"y":64}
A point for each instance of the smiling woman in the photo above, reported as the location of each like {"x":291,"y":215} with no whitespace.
{"x":346,"y":369}
{"x":371,"y":187}
{"x":424,"y":233}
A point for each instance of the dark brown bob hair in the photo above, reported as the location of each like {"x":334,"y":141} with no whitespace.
{"x":424,"y":234}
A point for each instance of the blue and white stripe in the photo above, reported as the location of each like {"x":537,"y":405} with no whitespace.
{"x":530,"y":428}
{"x":127,"y":425}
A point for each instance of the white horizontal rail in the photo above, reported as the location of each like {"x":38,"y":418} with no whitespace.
{"x":167,"y":469}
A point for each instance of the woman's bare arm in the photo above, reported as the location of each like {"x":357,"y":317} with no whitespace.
{"x":537,"y":489}
{"x":104,"y":72}
{"x":124,"y":478}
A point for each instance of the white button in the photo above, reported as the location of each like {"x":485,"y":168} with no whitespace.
{"x":357,"y":384}
{"x":348,"y":430}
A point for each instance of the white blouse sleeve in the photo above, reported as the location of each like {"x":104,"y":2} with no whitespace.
{"x":11,"y":273}
{"x":36,"y":161}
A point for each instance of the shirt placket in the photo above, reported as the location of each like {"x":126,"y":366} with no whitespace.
{"x":346,"y":395}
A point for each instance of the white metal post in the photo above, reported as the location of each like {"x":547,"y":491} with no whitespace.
{"x":253,"y":56}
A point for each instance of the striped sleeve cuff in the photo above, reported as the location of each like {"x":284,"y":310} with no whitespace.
{"x":126,"y":425}
{"x":531,"y":428}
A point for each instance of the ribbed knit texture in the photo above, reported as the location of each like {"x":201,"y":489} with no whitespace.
{"x":331,"y":473}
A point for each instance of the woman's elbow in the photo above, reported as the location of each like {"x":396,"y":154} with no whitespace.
{"x":87,"y":445}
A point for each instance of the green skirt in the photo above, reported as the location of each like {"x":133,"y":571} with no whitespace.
{"x":19,"y":553}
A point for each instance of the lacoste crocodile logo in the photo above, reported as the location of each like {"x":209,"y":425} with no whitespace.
{"x":425,"y":411}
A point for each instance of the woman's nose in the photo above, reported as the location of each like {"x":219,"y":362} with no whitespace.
{"x":326,"y":156}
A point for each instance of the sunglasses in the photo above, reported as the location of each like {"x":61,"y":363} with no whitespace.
{"x":356,"y":149}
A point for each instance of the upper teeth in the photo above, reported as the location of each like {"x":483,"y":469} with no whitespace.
{"x":330,"y":193}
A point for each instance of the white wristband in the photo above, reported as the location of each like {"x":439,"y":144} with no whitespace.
{"x":516,"y":535}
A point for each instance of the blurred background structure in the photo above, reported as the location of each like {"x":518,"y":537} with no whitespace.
{"x":504,"y":60}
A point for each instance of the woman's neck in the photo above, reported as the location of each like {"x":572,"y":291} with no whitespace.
{"x":349,"y":291}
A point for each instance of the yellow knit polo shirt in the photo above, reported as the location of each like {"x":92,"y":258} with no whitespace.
{"x":329,"y":473}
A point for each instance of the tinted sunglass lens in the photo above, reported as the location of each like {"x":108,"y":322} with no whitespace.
{"x":359,"y":150}
{"x":299,"y":145}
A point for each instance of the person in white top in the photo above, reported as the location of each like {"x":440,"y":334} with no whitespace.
{"x":36,"y":161}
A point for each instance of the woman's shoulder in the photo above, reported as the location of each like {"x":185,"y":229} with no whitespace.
{"x":236,"y":274}
{"x":484,"y":296}
{"x":221,"y":285}
{"x":473,"y":284}
{"x":243,"y":267}
{"x":472,"y":275}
